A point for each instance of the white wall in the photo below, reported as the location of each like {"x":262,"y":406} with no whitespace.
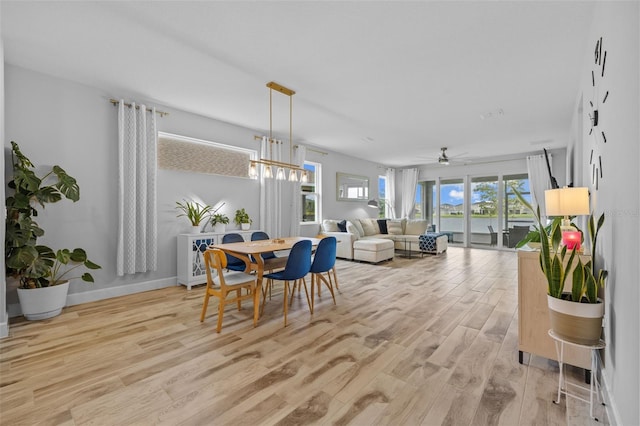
{"x":618,"y":24}
{"x":75,"y":126}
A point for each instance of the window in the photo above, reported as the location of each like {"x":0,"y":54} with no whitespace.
{"x":418,"y":210}
{"x":382,"y":191}
{"x":452,"y":215}
{"x":484,"y":211}
{"x":311,"y":193}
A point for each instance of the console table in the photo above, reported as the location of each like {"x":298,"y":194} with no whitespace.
{"x":190,"y":261}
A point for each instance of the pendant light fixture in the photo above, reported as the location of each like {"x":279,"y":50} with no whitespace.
{"x":269,"y":163}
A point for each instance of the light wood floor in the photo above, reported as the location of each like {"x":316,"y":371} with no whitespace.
{"x":428,"y":340}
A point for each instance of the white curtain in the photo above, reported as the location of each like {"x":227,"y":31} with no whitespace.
{"x":409,"y":184}
{"x":299,"y":155}
{"x":539,"y":181}
{"x":137,"y":172}
{"x":270,"y":191}
{"x":390,"y":192}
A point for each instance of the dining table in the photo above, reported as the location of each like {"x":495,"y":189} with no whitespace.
{"x":249,"y":252}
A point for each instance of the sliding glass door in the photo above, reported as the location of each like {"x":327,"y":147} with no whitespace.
{"x":517,"y":220}
{"x":452,"y":212}
{"x":485,"y":225}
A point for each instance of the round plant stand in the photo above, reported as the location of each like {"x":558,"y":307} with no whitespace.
{"x":563,"y":384}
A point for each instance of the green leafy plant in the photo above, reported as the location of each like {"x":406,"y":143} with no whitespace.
{"x":32,"y":264}
{"x":219,"y":218}
{"x":241,"y":217}
{"x":193,"y":211}
{"x":585,"y":279}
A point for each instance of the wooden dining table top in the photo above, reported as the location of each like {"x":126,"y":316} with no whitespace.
{"x":264,"y":246}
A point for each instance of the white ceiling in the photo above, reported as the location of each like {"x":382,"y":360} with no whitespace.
{"x":390,"y":82}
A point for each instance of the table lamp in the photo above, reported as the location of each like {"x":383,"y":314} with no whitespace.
{"x":567,"y":202}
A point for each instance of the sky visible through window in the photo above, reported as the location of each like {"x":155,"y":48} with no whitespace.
{"x":454,"y":193}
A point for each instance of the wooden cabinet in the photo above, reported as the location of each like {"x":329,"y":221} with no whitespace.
{"x":533,"y":314}
{"x":190,"y":261}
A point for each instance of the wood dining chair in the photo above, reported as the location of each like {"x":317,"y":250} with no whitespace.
{"x":324,"y":262}
{"x":223,"y":283}
{"x":297,"y":267}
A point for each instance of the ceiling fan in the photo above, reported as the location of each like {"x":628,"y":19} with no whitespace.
{"x":443,"y":159}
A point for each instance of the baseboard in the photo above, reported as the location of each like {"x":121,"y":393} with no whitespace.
{"x":610,"y":406}
{"x":13,"y":310}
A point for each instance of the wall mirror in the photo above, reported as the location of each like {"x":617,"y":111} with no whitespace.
{"x":351,"y":187}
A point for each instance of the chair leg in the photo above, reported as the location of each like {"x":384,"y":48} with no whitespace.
{"x":306,"y":293}
{"x":239,"y":295}
{"x":328,"y":284}
{"x":286,"y":305}
{"x":220,"y":313}
{"x":205,"y":304}
{"x":335,"y":276}
{"x":264,"y":295}
{"x":313,"y":284}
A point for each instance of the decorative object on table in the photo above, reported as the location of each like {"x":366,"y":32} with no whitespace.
{"x":594,"y":112}
{"x":269,"y":163}
{"x":195,"y":212}
{"x":242,"y":219}
{"x":219,"y":222}
{"x":576,"y":316}
{"x":39,"y":269}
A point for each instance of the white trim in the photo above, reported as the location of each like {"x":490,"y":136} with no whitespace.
{"x":104,"y":293}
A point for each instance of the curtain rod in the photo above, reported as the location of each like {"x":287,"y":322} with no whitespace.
{"x":115,"y":102}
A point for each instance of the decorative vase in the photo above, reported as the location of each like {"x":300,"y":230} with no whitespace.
{"x":576,"y":322}
{"x":245,"y":226}
{"x":43,"y":303}
{"x":219,"y":228}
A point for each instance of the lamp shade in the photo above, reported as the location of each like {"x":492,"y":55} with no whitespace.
{"x":567,"y":201}
{"x":373,"y":204}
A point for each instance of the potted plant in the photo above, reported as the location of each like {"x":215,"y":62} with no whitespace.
{"x":575,"y":315}
{"x":242,"y":219}
{"x":195,"y":212}
{"x":219,"y":222}
{"x":42,"y":274}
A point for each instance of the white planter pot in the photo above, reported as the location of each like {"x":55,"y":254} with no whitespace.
{"x":43,"y":303}
{"x":245,"y":226}
{"x":576,"y":322}
{"x":219,"y":228}
{"x":195,"y":229}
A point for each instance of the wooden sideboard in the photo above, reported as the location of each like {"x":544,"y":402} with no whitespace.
{"x":533,"y":314}
{"x":190,"y":261}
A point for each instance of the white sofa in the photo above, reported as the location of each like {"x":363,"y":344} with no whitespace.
{"x":403,"y":232}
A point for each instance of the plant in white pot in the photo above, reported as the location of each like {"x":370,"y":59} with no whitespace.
{"x":577,"y":315}
{"x":219,"y":222}
{"x":195,"y":212}
{"x":42,"y":274}
{"x":242,"y":219}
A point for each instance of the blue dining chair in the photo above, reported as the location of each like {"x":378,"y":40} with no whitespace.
{"x":324,"y":262}
{"x":233,"y":263}
{"x":271,"y":261}
{"x":297,"y":267}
